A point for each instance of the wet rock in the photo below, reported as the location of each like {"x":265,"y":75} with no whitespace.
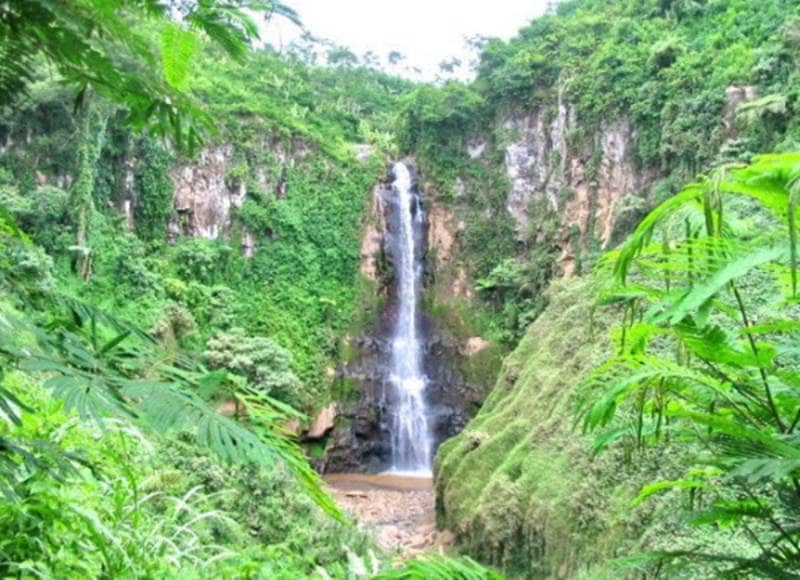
{"x":322,"y":424}
{"x":361,"y":440}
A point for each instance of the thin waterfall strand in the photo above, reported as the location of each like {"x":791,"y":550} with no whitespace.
{"x":410,"y":432}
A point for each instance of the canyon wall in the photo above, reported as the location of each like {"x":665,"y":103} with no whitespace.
{"x":360,"y":440}
{"x":519,"y":487}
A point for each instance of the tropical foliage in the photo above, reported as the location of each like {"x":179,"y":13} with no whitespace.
{"x":153,"y":366}
{"x":664,"y":68}
{"x":102,"y":458}
{"x":706,"y":355}
{"x":107,"y":47}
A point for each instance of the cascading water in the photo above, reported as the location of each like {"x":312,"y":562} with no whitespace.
{"x":411,"y":440}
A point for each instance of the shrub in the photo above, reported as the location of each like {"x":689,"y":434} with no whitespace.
{"x":266,"y":365}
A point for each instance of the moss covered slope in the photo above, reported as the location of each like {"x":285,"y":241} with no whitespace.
{"x":520,"y":486}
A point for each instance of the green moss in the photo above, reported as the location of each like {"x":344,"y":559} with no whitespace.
{"x":316,"y":450}
{"x":520,"y":486}
{"x":345,"y":390}
{"x":483,"y":367}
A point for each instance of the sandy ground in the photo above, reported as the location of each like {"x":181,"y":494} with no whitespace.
{"x":399,"y":509}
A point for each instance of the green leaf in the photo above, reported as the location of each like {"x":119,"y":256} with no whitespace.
{"x":643,"y":233}
{"x":654,"y":488}
{"x":209,"y":384}
{"x":178,"y":49}
{"x":696,"y":296}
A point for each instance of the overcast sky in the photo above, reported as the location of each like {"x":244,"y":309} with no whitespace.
{"x":425,"y":31}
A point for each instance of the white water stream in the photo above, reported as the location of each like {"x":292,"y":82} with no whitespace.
{"x":408,"y":421}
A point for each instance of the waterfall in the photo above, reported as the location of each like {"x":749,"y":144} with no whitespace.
{"x":411,"y":440}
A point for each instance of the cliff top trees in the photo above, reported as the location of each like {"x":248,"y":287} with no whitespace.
{"x":108,"y":47}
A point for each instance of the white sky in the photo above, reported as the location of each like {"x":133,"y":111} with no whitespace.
{"x":425,"y":31}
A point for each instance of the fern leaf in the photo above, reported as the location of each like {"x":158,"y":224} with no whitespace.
{"x":699,"y":294}
{"x":178,"y":49}
{"x":727,"y":513}
{"x":440,"y":568}
{"x":643,"y":233}
{"x":653,"y":488}
{"x":170,"y":409}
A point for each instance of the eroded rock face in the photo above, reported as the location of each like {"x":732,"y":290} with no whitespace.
{"x":448,"y":275}
{"x":322,"y":423}
{"x":202,"y":199}
{"x":208,"y":190}
{"x":583,"y":187}
{"x":735,"y":95}
{"x":361,"y":440}
{"x":372,"y":236}
{"x":444,"y":229}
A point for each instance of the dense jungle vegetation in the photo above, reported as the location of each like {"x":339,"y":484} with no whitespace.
{"x":663,"y":66}
{"x":669,"y":449}
{"x":117,"y":346}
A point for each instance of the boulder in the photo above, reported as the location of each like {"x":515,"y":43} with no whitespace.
{"x":323,"y":423}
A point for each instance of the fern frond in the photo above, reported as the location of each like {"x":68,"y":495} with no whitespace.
{"x":700,"y":293}
{"x":614,"y":382}
{"x":98,"y":378}
{"x":178,"y":49}
{"x":86,"y":314}
{"x":653,"y":488}
{"x":264,"y":414}
{"x":644,"y":231}
{"x":281,"y":9}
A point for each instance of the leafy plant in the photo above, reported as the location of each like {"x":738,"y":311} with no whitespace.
{"x":440,"y":568}
{"x":704,"y":356}
{"x":260,"y":361}
{"x":89,"y":43}
{"x":101,"y":373}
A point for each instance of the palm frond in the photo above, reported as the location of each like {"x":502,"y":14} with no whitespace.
{"x":102,"y":377}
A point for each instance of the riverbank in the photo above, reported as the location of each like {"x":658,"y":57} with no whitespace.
{"x":398,"y":508}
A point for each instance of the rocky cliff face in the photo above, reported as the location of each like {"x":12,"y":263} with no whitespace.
{"x":518,"y":487}
{"x":360,"y":441}
{"x":211,"y":186}
{"x":586,"y":185}
{"x":204,"y":196}
{"x":596,"y":187}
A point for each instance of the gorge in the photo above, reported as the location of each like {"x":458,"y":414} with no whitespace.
{"x":541,"y":323}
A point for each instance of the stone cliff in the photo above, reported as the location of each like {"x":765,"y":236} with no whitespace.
{"x":360,"y":442}
{"x":592,"y":187}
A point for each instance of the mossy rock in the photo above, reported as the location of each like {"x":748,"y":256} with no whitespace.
{"x":521,"y":488}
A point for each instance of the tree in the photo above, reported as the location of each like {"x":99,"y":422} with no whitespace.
{"x":395,"y":57}
{"x":341,"y":56}
{"x":93,"y":130}
{"x":107,"y":47}
{"x":261,"y":361}
{"x":450,"y":65}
